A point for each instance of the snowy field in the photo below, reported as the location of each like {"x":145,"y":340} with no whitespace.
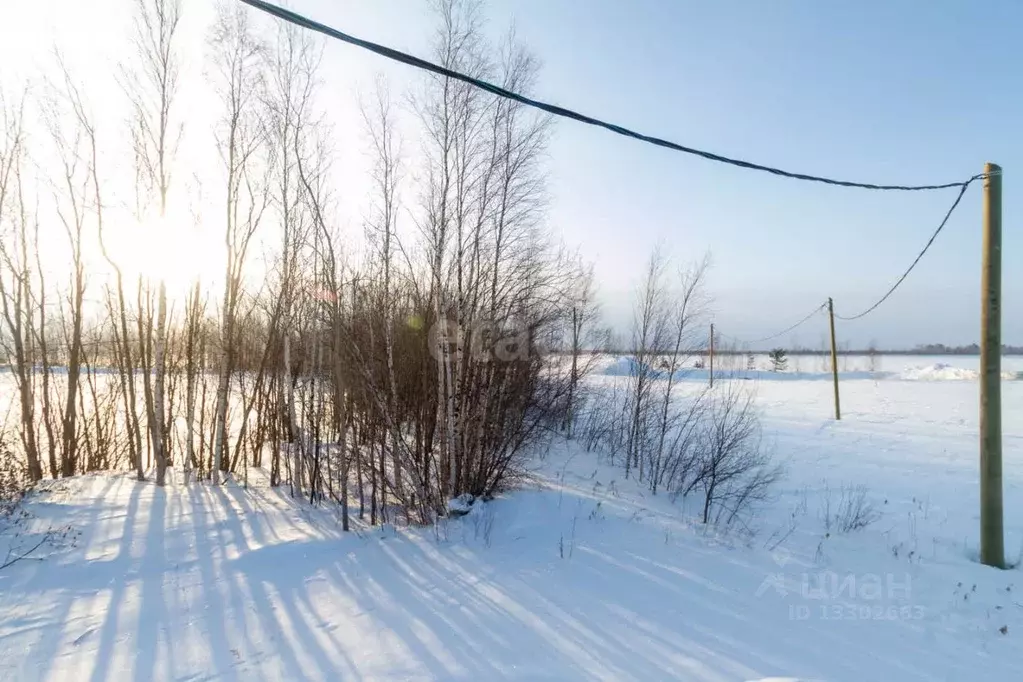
{"x":580,"y":575}
{"x":899,"y":367}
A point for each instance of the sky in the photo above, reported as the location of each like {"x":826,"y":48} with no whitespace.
{"x":885,"y":92}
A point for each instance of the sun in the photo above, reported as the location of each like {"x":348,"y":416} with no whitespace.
{"x":169,"y":249}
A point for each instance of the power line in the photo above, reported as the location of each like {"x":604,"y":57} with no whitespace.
{"x":783,"y":331}
{"x":405,"y":58}
{"x":900,"y":280}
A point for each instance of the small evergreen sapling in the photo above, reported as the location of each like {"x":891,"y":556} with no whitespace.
{"x":778,"y":360}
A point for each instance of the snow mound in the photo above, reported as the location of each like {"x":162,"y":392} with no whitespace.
{"x":939,"y":371}
{"x":461,"y":505}
{"x":622,"y":367}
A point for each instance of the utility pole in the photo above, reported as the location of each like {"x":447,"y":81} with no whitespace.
{"x":712,"y":355}
{"x":992,"y":548}
{"x":834,"y":357}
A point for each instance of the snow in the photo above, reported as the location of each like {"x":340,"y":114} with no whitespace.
{"x":941,"y":371}
{"x":850,"y":369}
{"x":579,"y":575}
{"x":460,"y":505}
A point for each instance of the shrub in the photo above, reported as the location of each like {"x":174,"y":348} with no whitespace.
{"x":854,"y":511}
{"x":13,"y":479}
{"x":733,"y":471}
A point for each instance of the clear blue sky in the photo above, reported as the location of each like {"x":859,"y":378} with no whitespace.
{"x":896,"y":92}
{"x":900,"y":91}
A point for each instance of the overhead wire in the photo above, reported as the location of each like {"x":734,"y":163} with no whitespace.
{"x":788,"y":329}
{"x":417,"y":62}
{"x":411,"y":60}
{"x":900,"y":280}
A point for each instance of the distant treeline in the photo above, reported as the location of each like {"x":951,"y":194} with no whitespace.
{"x":972,"y":349}
{"x":928,"y":349}
{"x":923,"y":349}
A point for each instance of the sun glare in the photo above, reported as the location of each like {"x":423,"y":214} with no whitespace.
{"x":170,"y":250}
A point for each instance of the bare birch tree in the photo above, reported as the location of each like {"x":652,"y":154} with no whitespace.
{"x":687,"y":309}
{"x":17,"y":279}
{"x":380,"y":125}
{"x":237,"y":54}
{"x":292,"y":67}
{"x":152,"y":86}
{"x":77,"y":187}
{"x":649,"y":336}
{"x":584,"y":313}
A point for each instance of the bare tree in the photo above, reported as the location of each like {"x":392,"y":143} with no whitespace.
{"x":584,"y":314}
{"x":452,"y":116}
{"x":873,"y":357}
{"x":687,"y":309}
{"x":412,"y":376}
{"x":237,"y":55}
{"x":195,"y":313}
{"x":649,"y":338}
{"x":380,"y":124}
{"x":734,"y":471}
{"x":78,"y":185}
{"x":152,"y":85}
{"x":17,"y":279}
{"x":291,"y":69}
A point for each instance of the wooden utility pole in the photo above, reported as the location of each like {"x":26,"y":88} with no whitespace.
{"x":834,"y":357}
{"x":992,"y":549}
{"x":712,"y":355}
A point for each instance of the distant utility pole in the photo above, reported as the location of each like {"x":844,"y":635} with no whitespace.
{"x":834,"y":357}
{"x":992,"y":547}
{"x":712,"y":355}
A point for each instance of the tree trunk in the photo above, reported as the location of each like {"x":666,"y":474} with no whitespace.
{"x":159,"y":365}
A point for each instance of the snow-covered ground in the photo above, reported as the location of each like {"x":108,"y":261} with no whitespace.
{"x":579,"y":575}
